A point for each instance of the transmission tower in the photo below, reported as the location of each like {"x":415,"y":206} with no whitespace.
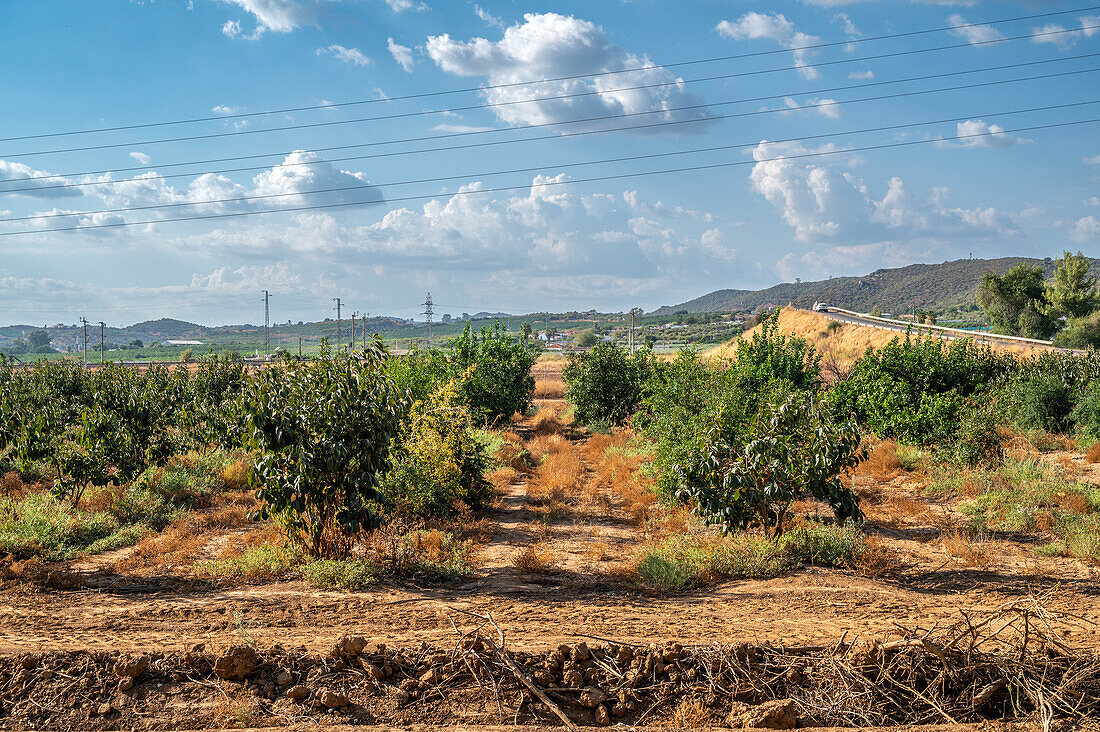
{"x":267,"y":322}
{"x":428,"y":313}
{"x":339,"y":329}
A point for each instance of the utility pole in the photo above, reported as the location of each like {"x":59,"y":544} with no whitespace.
{"x":84,"y":321}
{"x":428,"y":312}
{"x":102,"y":346}
{"x":299,"y":348}
{"x":364,"y":330}
{"x":354,"y":321}
{"x":634,"y":313}
{"x":267,"y":322}
{"x":339,"y":329}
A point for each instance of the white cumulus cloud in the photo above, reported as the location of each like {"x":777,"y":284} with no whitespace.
{"x":774,"y":27}
{"x":979,"y":133}
{"x":548,"y":45}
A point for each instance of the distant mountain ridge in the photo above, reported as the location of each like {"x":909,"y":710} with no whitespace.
{"x":935,"y":287}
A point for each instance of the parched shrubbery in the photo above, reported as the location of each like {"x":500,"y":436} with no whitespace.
{"x":439,"y":464}
{"x":606,"y":385}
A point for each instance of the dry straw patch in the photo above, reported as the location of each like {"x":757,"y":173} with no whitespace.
{"x":537,"y":558}
{"x":620,"y":473}
{"x":546,"y":422}
{"x":558,"y":477}
{"x":549,"y":389}
{"x":1093,"y":453}
{"x":970,"y":553}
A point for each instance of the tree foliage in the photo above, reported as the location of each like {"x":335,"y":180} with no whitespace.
{"x":322,"y":432}
{"x":1016,"y":302}
{"x":1072,"y":293}
{"x":605,"y":385}
{"x":793,"y":451}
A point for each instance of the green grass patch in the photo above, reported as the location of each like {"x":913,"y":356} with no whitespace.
{"x":1030,"y":497}
{"x":262,"y":562}
{"x":341,"y":574}
{"x":39,"y":524}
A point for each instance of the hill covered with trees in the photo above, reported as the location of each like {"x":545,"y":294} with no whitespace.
{"x":934,"y":287}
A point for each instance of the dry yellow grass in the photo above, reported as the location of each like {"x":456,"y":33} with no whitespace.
{"x":558,"y":477}
{"x":970,"y":553}
{"x":616,"y":471}
{"x":844,"y":345}
{"x":882,"y":464}
{"x":546,"y":422}
{"x":537,"y":558}
{"x":549,"y":389}
{"x":1093,"y":454}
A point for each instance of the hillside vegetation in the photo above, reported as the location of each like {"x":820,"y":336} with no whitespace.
{"x":936,"y":287}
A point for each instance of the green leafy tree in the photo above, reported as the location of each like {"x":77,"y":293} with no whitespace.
{"x":1016,"y":302}
{"x":1072,"y":292}
{"x":1081,"y":332}
{"x":793,"y":452}
{"x":526,"y":330}
{"x":587,"y":338}
{"x":493,"y":372}
{"x":605,"y":384}
{"x":38,"y":338}
{"x":322,"y":433}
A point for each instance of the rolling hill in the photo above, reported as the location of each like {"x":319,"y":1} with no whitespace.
{"x":936,"y":287}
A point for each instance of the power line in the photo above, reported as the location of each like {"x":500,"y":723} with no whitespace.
{"x":500,"y":189}
{"x":690,"y":62}
{"x":332,"y":123}
{"x":555,"y":165}
{"x":561,"y":135}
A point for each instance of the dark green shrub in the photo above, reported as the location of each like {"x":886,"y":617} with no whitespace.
{"x":976,"y":441}
{"x":1081,"y":332}
{"x":915,"y":390}
{"x":1039,"y":401}
{"x":1086,"y":414}
{"x":493,"y":372}
{"x":605,"y":385}
{"x":792,"y":452}
{"x":322,"y":432}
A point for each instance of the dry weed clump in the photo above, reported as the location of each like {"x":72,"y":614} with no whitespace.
{"x":235,"y":474}
{"x":620,"y":472}
{"x":883,"y":463}
{"x":545,"y":422}
{"x":537,"y":558}
{"x":549,"y":389}
{"x":691,"y":713}
{"x":542,"y":445}
{"x":501,"y":478}
{"x":1093,"y":453}
{"x":11,"y":485}
{"x":970,"y":553}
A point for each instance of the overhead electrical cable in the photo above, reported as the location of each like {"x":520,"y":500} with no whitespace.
{"x":528,"y":186}
{"x":562,"y":135}
{"x":333,"y":123}
{"x":595,"y":74}
{"x":556,"y":165}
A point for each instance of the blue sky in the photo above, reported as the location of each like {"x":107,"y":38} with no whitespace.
{"x":779,"y":211}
